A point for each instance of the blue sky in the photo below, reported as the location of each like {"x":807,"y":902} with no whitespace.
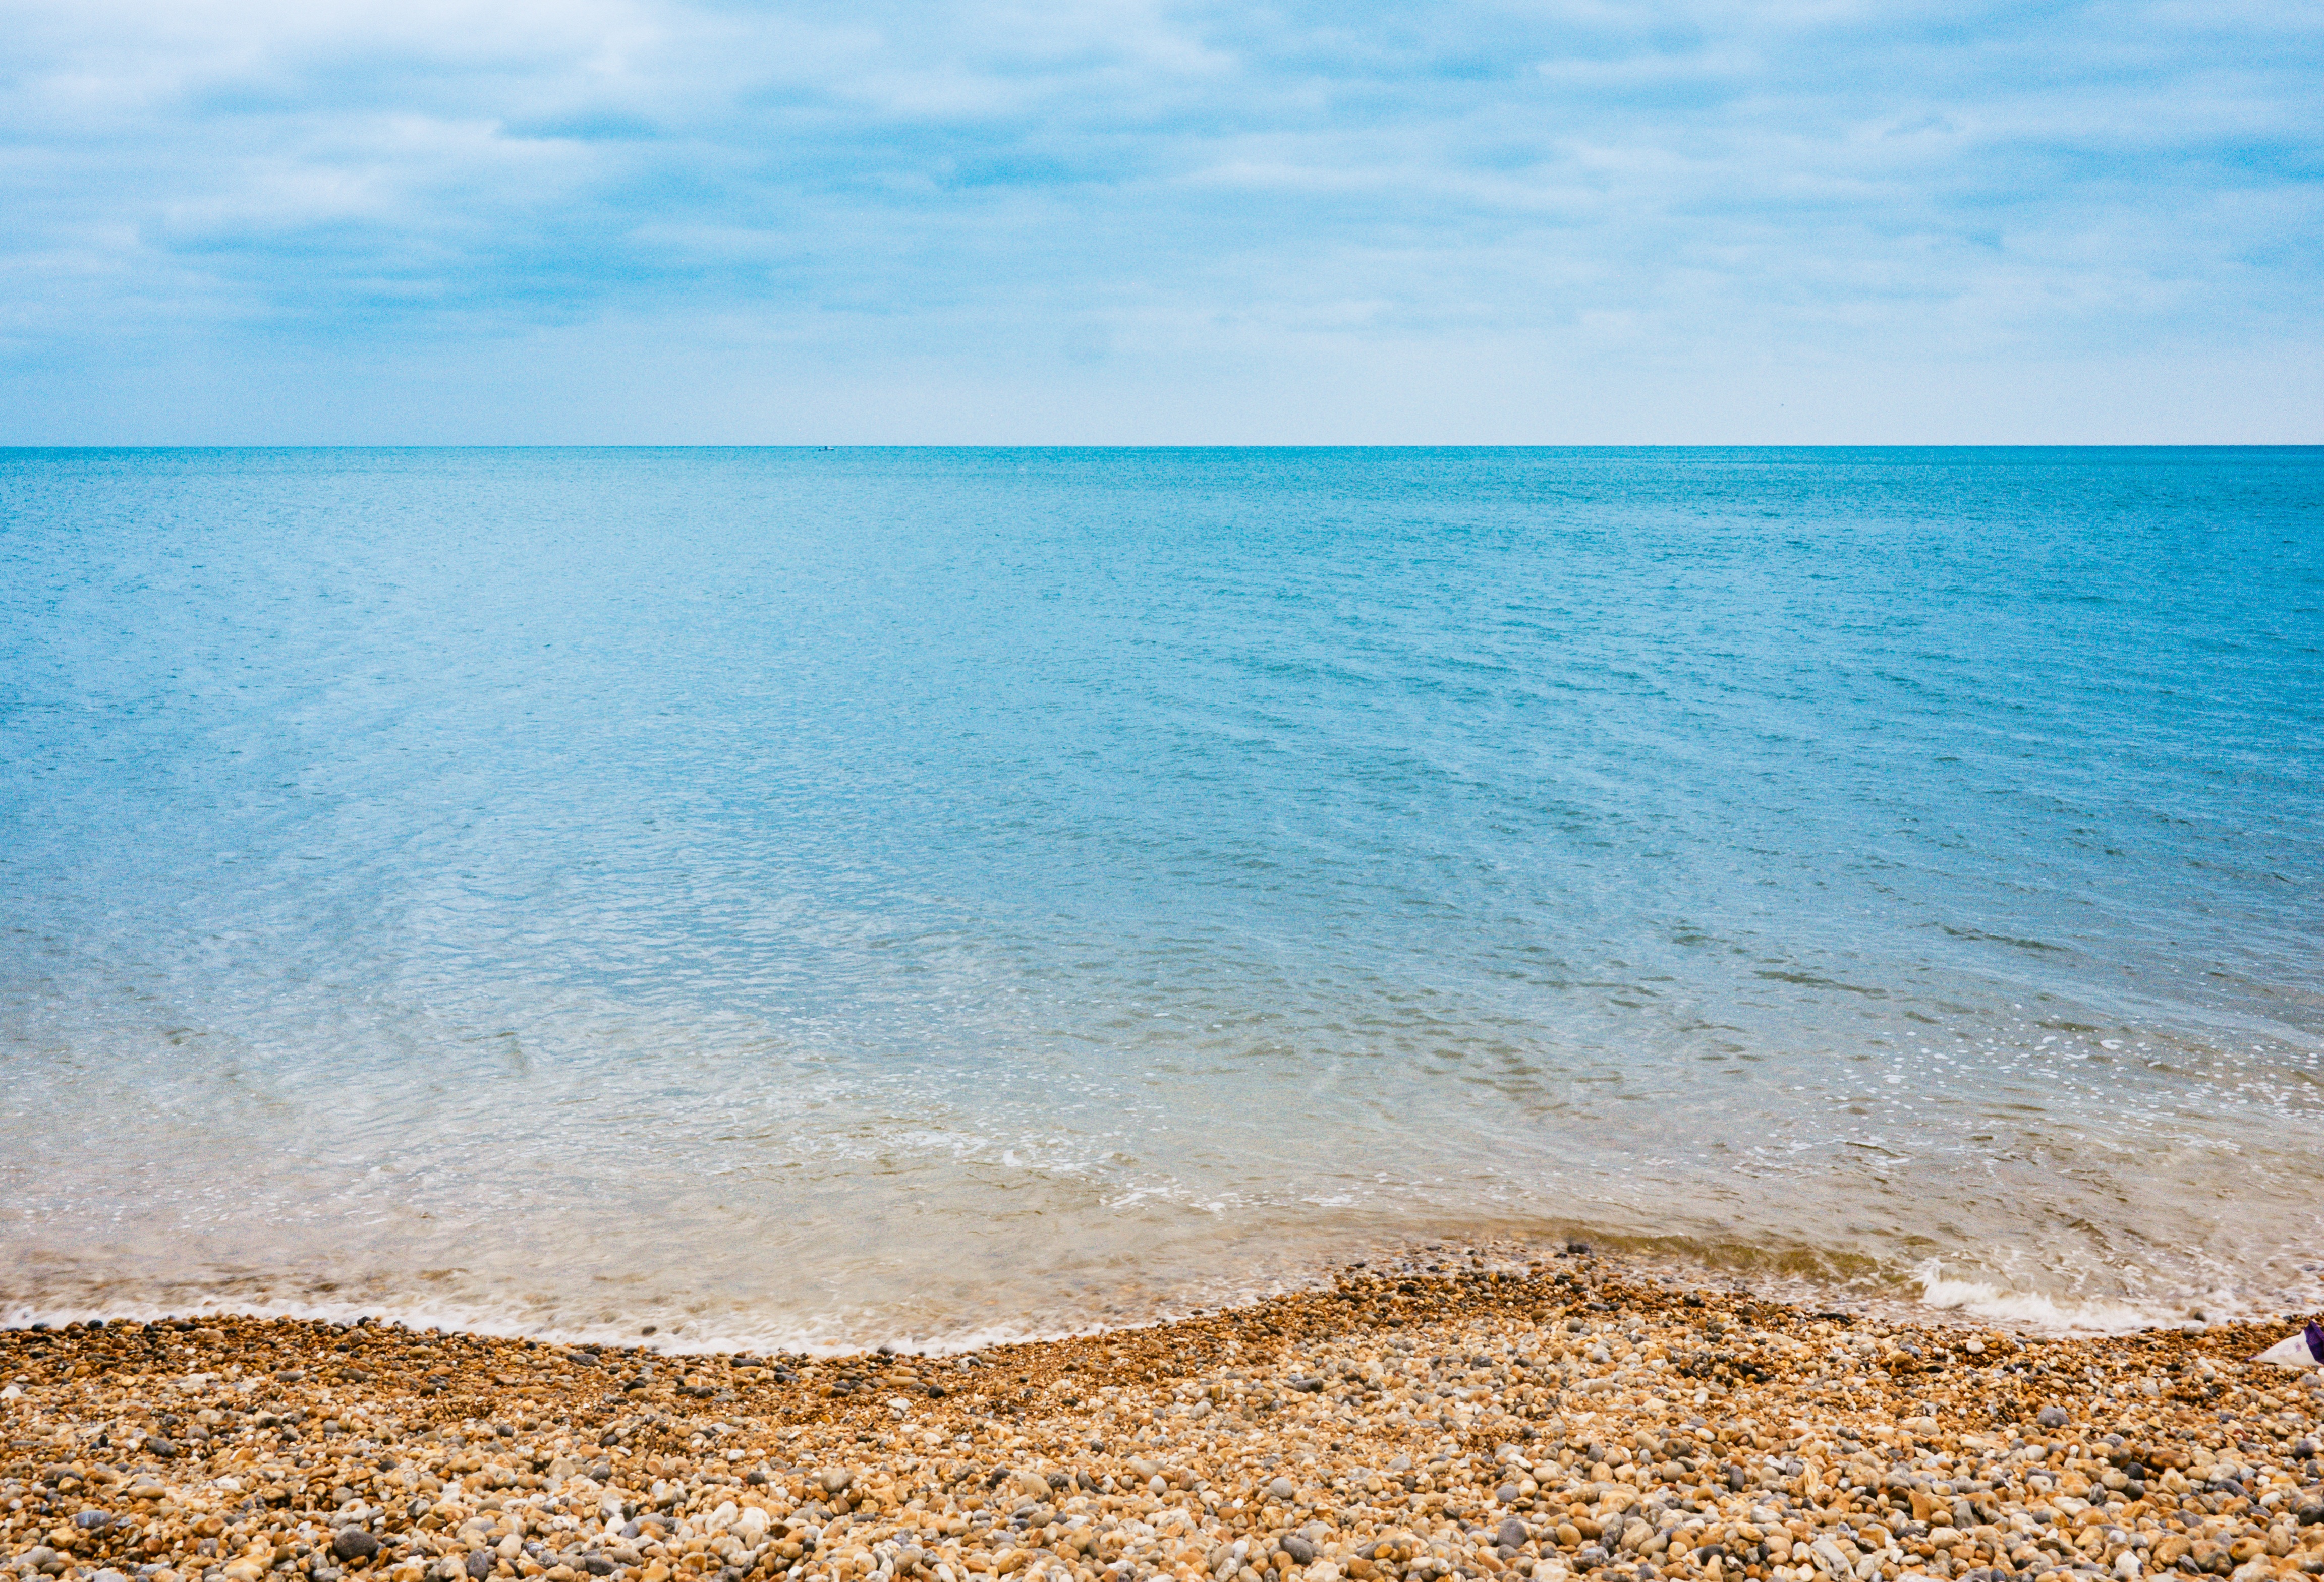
{"x":1123,"y":221}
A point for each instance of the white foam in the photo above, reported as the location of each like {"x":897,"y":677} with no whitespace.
{"x":682,"y":1329}
{"x":681,"y":1334}
{"x":2034,"y":1308}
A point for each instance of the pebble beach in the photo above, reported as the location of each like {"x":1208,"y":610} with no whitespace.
{"x":1564,"y":1416}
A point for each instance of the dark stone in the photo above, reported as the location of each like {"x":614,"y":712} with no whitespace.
{"x":480,"y":1564}
{"x":354,"y":1543}
{"x":93,"y":1521}
{"x":1511,"y":1534}
{"x":1298,"y":1547}
{"x":1578,"y":1248}
{"x":2051,"y":1417}
{"x":155,"y":1445}
{"x":597,"y":1565}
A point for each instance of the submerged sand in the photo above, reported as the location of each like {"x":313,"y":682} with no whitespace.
{"x":1568,"y":1418}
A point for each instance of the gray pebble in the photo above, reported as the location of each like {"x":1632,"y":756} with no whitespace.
{"x":1299,"y":1549}
{"x":1511,"y":1534}
{"x":1281,"y":1489}
{"x":354,"y":1543}
{"x":2051,"y":1417}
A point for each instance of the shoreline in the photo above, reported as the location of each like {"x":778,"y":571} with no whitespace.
{"x":1926,"y":1295}
{"x":1571,"y":1417}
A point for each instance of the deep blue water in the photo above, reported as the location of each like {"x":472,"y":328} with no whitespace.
{"x":829,"y":893}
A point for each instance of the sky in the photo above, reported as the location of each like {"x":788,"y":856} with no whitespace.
{"x":1136,"y":222}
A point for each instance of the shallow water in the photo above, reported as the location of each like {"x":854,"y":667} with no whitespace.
{"x":809,"y":896}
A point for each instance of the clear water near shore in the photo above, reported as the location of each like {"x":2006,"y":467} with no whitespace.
{"x":797,"y":897}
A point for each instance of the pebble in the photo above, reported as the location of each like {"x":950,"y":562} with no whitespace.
{"x":1551,"y":1420}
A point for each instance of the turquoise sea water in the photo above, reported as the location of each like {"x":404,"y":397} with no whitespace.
{"x":858,"y":895}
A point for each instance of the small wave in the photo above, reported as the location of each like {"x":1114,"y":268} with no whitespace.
{"x":677,"y":1333}
{"x":2001,"y":939}
{"x":2032,"y":1309}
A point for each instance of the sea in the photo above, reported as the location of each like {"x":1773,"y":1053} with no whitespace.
{"x":816,"y":898}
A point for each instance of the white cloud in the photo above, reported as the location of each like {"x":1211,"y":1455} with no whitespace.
{"x":1036,"y":184}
